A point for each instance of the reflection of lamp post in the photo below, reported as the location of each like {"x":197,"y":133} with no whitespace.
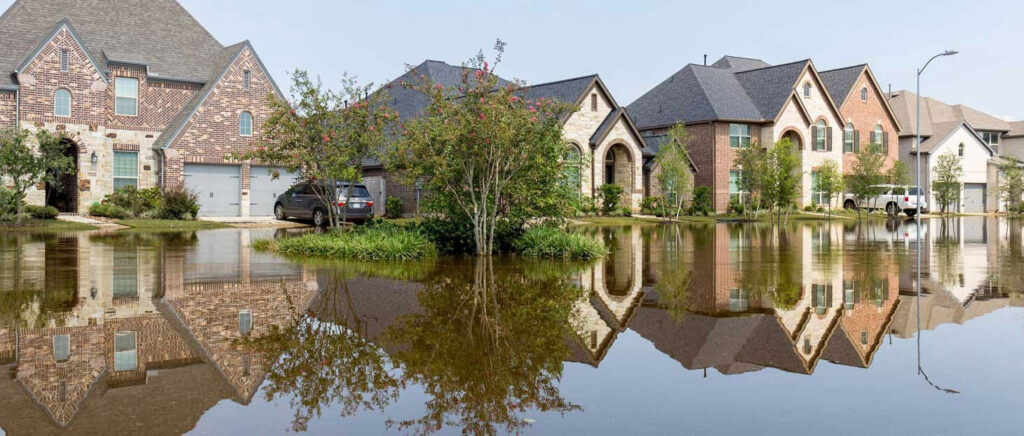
{"x":917,"y":148}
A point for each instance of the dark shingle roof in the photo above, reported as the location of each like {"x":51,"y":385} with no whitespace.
{"x":566,"y":91}
{"x":738,"y":64}
{"x":410,"y":103}
{"x":839,"y":81}
{"x":769,"y":87}
{"x":172,"y":43}
{"x":606,"y":125}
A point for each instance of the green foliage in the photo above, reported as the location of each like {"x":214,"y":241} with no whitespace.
{"x":554,"y":243}
{"x":782,"y":175}
{"x":137,"y":202}
{"x":42,"y":212}
{"x":611,"y":195}
{"x":830,"y":181}
{"x":652,"y":206}
{"x":22,"y":166}
{"x":179,"y":204}
{"x":735,"y":206}
{"x":898,"y":174}
{"x":809,"y":208}
{"x":393,"y":207}
{"x":456,"y":237}
{"x":107,"y":210}
{"x":362,"y":243}
{"x":1011,"y":186}
{"x":673,"y":161}
{"x":9,"y":203}
{"x":753,"y":166}
{"x":488,"y":155}
{"x":701,"y":204}
{"x":865,"y":175}
{"x":948,"y":180}
{"x":324,"y":135}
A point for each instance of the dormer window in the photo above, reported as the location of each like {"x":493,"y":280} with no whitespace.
{"x":64,"y":64}
{"x":807,"y":90}
{"x":126,"y":90}
{"x":864,"y":94}
{"x":593,"y":102}
{"x":62,"y":103}
{"x":246,"y":79}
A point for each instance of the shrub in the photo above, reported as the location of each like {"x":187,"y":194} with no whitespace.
{"x":107,"y":210}
{"x":583,"y":205}
{"x":179,"y":204}
{"x":42,"y":212}
{"x":393,"y":207}
{"x":362,"y":243}
{"x":809,"y":208}
{"x":556,"y":243}
{"x":652,"y":206}
{"x":625,"y":211}
{"x":610,"y":196}
{"x":136,"y":202}
{"x":456,"y":237}
{"x":701,"y":204}
{"x":8,"y":205}
{"x":735,"y":206}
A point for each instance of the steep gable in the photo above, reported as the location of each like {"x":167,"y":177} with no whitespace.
{"x":841,"y":85}
{"x":737,"y":64}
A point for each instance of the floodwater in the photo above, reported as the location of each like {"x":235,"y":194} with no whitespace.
{"x":681,"y":329}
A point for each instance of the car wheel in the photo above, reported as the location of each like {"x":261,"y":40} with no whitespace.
{"x":892,"y":209}
{"x":910,"y":212}
{"x":849,"y":205}
{"x":318,"y":218}
{"x":279,"y":212}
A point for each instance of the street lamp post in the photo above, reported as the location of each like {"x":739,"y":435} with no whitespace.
{"x":917,"y":148}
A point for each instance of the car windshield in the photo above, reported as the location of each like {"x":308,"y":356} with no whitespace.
{"x":913,"y":191}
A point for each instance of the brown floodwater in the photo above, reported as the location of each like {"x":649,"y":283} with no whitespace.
{"x":682,"y":329}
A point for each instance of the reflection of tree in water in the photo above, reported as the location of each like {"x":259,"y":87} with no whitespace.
{"x":776,"y":269}
{"x":674,"y":278}
{"x":1011,"y":257}
{"x":948,"y":254}
{"x":488,"y":346}
{"x":51,"y":299}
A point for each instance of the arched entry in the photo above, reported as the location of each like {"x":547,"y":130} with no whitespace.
{"x":63,"y":194}
{"x":794,"y":137}
{"x":618,"y":168}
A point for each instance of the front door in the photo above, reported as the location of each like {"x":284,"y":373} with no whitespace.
{"x":63,"y":192}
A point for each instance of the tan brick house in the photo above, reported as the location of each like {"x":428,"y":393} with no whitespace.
{"x":160,"y":105}
{"x":736,"y":102}
{"x":602,"y":141}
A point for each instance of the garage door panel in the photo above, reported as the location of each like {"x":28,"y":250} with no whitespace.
{"x":974,"y":197}
{"x":264,"y":189}
{"x":217,"y":187}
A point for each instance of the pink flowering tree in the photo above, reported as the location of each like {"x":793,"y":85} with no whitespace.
{"x":324,"y":135}
{"x":486,"y":152}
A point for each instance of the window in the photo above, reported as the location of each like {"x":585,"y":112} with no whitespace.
{"x":822,"y":295}
{"x":879,"y":140}
{"x":126,"y":169}
{"x":864,"y":94}
{"x":572,"y":167}
{"x":849,"y":295}
{"x":126,"y":272}
{"x":864,"y":338}
{"x":992,"y":139}
{"x":245,"y":124}
{"x":735,"y":192}
{"x":739,"y":135}
{"x":126,"y":101}
{"x":739,"y":300}
{"x":246,"y":79}
{"x":807,"y":90}
{"x":848,"y":144}
{"x":62,"y":103}
{"x":61,"y":347}
{"x":821,"y":136}
{"x":126,"y":354}
{"x":593,"y":102}
{"x":245,"y":322}
{"x":64,"y":59}
{"x":960,"y":150}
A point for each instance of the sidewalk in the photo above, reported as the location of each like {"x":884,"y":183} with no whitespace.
{"x":255,"y":222}
{"x":102,"y":225}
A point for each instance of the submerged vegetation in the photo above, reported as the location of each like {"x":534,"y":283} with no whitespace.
{"x":556,"y":243}
{"x":362,"y":243}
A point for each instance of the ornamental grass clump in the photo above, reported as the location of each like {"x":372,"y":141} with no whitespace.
{"x":387,"y":244}
{"x":556,"y":243}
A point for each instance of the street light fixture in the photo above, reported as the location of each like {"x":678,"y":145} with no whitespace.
{"x":917,"y":148}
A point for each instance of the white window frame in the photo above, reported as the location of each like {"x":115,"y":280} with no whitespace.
{"x":67,"y":341}
{"x":243,"y":316}
{"x":739,"y":193}
{"x":55,"y":101}
{"x":123,"y":153}
{"x":807,"y":90}
{"x":740,"y":136}
{"x":118,"y":95}
{"x":241,"y":118}
{"x":821,"y":128}
{"x":864,"y":94}
{"x":134,"y":352}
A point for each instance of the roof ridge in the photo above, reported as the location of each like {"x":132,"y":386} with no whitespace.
{"x":193,"y":18}
{"x":843,"y":68}
{"x":742,"y":57}
{"x":774,"y":66}
{"x":707,"y":98}
{"x":560,"y":81}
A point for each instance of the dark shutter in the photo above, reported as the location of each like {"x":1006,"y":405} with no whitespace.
{"x":873,"y":139}
{"x":885,"y":142}
{"x":856,"y":141}
{"x":828,"y":138}
{"x":814,"y":138}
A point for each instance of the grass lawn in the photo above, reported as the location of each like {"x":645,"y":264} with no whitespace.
{"x":617,"y":220}
{"x":170,"y":225}
{"x":44,"y":226}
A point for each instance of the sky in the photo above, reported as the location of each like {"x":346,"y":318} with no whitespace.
{"x":636,"y":44}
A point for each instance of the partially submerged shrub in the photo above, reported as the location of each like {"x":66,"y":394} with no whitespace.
{"x":179,"y":204}
{"x":42,"y":212}
{"x":362,"y":243}
{"x":701,"y":204}
{"x":456,"y":237}
{"x":652,"y":206}
{"x":556,"y":243}
{"x":108,"y":211}
{"x":393,"y":207}
{"x":611,"y":195}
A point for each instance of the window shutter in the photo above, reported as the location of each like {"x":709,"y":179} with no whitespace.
{"x":873,"y":140}
{"x":856,"y":141}
{"x":814,"y":137}
{"x":828,"y":138}
{"x":885,"y":142}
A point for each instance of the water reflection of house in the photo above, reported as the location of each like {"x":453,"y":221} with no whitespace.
{"x":91,"y":333}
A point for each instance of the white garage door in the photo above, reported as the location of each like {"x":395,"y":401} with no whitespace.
{"x":264,"y":189}
{"x":974,"y":197}
{"x":219,"y":188}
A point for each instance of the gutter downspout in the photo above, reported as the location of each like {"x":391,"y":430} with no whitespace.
{"x":17,"y":108}
{"x":163,"y":169}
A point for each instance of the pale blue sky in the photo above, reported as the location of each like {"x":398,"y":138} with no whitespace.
{"x":636,"y":44}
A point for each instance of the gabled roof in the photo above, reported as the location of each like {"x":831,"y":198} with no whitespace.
{"x":738,"y":64}
{"x":840,"y":81}
{"x":171,"y":42}
{"x":63,"y":24}
{"x":654,"y":144}
{"x":567,"y":91}
{"x":935,"y":112}
{"x":943,"y":131}
{"x":1016,"y":129}
{"x":769,"y":87}
{"x":410,"y":103}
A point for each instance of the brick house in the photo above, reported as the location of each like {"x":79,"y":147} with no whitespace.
{"x":868,"y":118}
{"x":602,"y":141}
{"x":161,"y":105}
{"x":736,"y":102}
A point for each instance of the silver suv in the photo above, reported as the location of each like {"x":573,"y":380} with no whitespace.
{"x":893,"y":199}
{"x":301,"y":202}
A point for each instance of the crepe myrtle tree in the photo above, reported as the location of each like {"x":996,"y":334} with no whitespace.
{"x":948,"y":183}
{"x":22,"y":167}
{"x":324,"y":135}
{"x":486,"y":153}
{"x":865,"y":176}
{"x":752,"y":163}
{"x":674,"y":160}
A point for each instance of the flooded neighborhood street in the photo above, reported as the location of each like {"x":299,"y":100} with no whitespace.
{"x":680,"y":329}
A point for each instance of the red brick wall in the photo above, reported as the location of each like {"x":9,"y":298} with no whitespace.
{"x":395,"y":188}
{"x":865,"y":115}
{"x":159,"y":102}
{"x":42,"y":375}
{"x":8,"y":109}
{"x":212,"y":132}
{"x":43,"y":76}
{"x":711,"y":153}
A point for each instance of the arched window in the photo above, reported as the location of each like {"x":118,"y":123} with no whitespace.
{"x":864,"y":94}
{"x":245,"y":124}
{"x":573,"y":166}
{"x":62,"y":103}
{"x":848,"y":139}
{"x":807,"y":90}
{"x":879,"y":140}
{"x":960,"y":150}
{"x":821,"y":136}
